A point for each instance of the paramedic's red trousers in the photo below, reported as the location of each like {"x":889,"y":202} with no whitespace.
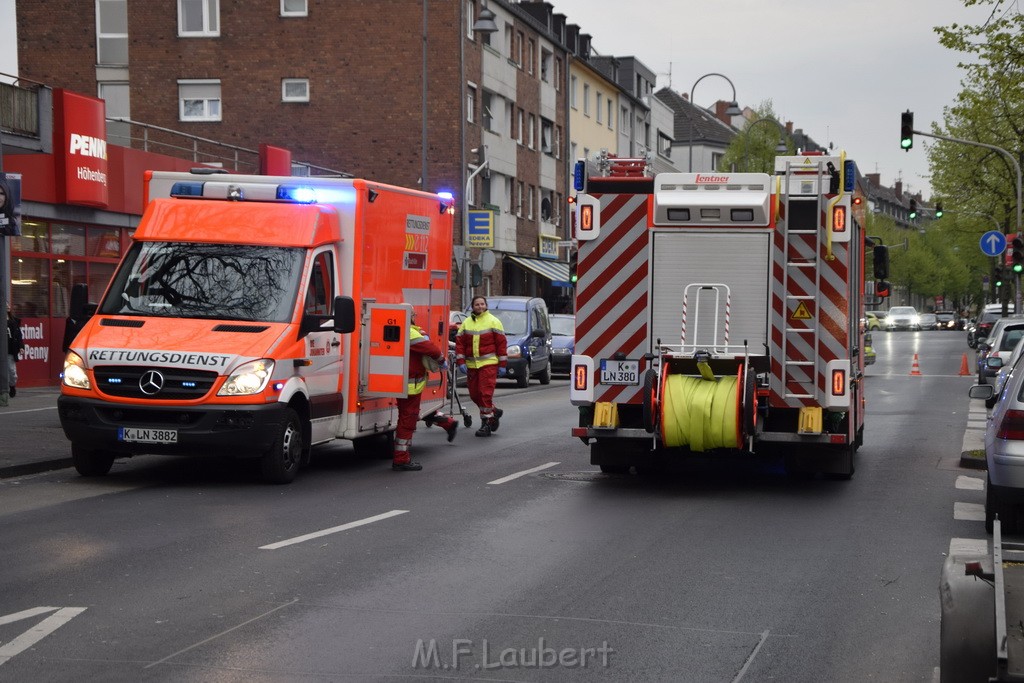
{"x":408,"y":415}
{"x":481,"y":384}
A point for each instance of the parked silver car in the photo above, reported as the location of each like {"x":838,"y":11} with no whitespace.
{"x":1004,"y":451}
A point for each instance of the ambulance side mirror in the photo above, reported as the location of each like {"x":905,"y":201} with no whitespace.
{"x":344,"y":314}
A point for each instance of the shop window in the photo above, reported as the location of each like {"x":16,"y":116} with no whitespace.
{"x":100,"y":275}
{"x":66,"y":274}
{"x":68,"y":239}
{"x":34,"y":238}
{"x":30,"y":286}
{"x":104,"y":242}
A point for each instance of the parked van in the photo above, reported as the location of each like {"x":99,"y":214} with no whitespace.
{"x":528,"y":331}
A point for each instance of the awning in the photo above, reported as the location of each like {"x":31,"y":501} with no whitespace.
{"x":556,"y":271}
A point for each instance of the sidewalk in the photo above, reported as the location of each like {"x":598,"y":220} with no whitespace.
{"x":31,"y":439}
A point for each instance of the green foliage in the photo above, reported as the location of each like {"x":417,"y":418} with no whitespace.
{"x":753,"y":150}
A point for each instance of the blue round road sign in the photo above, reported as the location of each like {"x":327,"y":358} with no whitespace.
{"x":993,"y":243}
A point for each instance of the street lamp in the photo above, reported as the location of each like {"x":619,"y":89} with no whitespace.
{"x":484,"y":24}
{"x":780,"y":148}
{"x":732,"y":110}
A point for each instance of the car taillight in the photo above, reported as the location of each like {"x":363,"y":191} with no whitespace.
{"x":1012,"y":426}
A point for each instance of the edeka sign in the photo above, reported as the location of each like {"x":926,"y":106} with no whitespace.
{"x":80,"y":149}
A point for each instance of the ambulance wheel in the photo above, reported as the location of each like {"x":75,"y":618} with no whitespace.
{"x":650,"y":405}
{"x":91,"y":462}
{"x":280,"y":463}
{"x":545,"y":377}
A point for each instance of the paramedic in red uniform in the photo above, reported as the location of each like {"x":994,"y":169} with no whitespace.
{"x":420,"y":347}
{"x":481,"y":355}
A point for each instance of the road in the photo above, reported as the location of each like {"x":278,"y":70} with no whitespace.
{"x":505,"y":559}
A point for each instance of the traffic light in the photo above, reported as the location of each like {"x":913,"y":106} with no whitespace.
{"x":907,"y":130}
{"x":938,"y":209}
{"x":1017,"y":254}
{"x":913,"y":209}
{"x":880,"y":258}
{"x":999,"y":276}
{"x":573,"y":261}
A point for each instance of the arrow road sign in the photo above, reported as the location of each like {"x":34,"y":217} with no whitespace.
{"x":993,"y":243}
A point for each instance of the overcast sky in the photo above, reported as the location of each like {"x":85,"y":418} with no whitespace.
{"x":841,"y":71}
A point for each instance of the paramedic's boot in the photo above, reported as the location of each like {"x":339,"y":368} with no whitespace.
{"x":485,"y":430}
{"x":495,"y":420}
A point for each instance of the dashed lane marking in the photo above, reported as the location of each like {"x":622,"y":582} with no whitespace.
{"x":523,"y":473}
{"x":332,"y":530}
{"x":973,"y":512}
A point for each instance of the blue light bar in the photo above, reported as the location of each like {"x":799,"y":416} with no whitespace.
{"x":446,"y":195}
{"x":578,"y":179}
{"x":297,"y":193}
{"x":189,"y":189}
{"x":849,"y":175}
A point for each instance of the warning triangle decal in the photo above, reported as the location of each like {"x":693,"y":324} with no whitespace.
{"x":801,"y":312}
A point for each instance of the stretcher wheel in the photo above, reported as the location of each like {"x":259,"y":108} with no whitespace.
{"x":467,"y":420}
{"x":650,"y":405}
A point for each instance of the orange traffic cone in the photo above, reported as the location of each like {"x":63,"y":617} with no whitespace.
{"x":964,"y":369}
{"x":915,"y":369}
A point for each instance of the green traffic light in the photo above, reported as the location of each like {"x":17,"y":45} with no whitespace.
{"x":999,"y":283}
{"x":1018,"y":267}
{"x":907,"y":143}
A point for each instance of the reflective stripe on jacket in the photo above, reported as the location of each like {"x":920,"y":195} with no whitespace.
{"x":420,"y":346}
{"x":481,"y":341}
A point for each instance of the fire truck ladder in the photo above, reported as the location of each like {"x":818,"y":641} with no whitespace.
{"x":794,"y":382}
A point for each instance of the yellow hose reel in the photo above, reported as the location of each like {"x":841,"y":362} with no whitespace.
{"x":700,"y":412}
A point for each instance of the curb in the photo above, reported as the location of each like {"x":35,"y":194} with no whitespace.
{"x":34,"y":468}
{"x":973,"y":460}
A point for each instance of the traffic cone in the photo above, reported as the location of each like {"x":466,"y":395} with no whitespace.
{"x":964,"y":369}
{"x":915,"y":369}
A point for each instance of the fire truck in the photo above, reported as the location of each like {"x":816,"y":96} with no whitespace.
{"x":256,"y":316}
{"x":721,"y":313}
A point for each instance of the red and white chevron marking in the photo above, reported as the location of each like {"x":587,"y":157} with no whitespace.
{"x":829,"y":312}
{"x":611,"y":293}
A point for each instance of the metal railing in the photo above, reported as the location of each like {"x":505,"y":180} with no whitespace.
{"x":19,"y":106}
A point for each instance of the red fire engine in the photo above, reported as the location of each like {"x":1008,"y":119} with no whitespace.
{"x":720,"y":312}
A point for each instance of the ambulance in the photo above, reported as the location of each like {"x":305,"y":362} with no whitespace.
{"x":257,"y":316}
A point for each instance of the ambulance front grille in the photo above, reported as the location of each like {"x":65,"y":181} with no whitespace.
{"x":174,"y":384}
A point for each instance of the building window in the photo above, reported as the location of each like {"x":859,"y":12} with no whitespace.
{"x":294,"y":8}
{"x":600,"y":106}
{"x":471,"y":103}
{"x":470,"y":19}
{"x":510,"y":42}
{"x":586,"y":99}
{"x":529,"y":202}
{"x":486,"y":111}
{"x":664,"y":145}
{"x":611,"y":126}
{"x":533,"y":132}
{"x":572,"y":151}
{"x":295,"y":90}
{"x":519,"y":198}
{"x":485,"y":190}
{"x":558,"y":142}
{"x":519,"y":127}
{"x":112,"y":32}
{"x":198,"y":18}
{"x":716,"y":160}
{"x":573,"y":83}
{"x":520,"y":39}
{"x":118,"y":107}
{"x":199,"y":100}
{"x":531,"y":52}
{"x":558,"y":74}
{"x":546,"y":128}
{"x":545,"y":65}
{"x":547,"y":209}
{"x":624,"y":120}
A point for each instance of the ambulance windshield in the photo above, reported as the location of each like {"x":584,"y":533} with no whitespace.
{"x":218,"y":281}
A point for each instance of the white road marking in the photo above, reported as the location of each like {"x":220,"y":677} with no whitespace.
{"x":972,"y":547}
{"x":750,"y":658}
{"x":973,"y":512}
{"x":26,"y":614}
{"x":27,"y":410}
{"x":970,"y":483}
{"x":332,"y":530}
{"x":523,"y":473}
{"x":39,"y":631}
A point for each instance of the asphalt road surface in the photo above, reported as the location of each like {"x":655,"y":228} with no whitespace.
{"x":506,"y":559}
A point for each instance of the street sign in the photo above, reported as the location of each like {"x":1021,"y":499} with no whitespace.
{"x":993,"y":243}
{"x":480,"y":229}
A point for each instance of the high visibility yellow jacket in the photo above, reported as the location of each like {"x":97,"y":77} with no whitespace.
{"x":420,"y":346}
{"x":481,"y":341}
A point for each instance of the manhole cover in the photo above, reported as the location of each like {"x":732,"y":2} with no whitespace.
{"x":576,"y":476}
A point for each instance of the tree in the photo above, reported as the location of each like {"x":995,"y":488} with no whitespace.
{"x":753,"y":149}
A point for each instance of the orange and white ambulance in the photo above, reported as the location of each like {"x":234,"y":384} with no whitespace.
{"x":257,"y":316}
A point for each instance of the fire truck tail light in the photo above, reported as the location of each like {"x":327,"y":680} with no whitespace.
{"x":838,"y":382}
{"x":839,"y":219}
{"x":579,"y":376}
{"x":586,"y":218}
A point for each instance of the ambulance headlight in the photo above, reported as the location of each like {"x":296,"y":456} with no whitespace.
{"x":250,"y":378}
{"x":514,"y":351}
{"x":74,"y":374}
